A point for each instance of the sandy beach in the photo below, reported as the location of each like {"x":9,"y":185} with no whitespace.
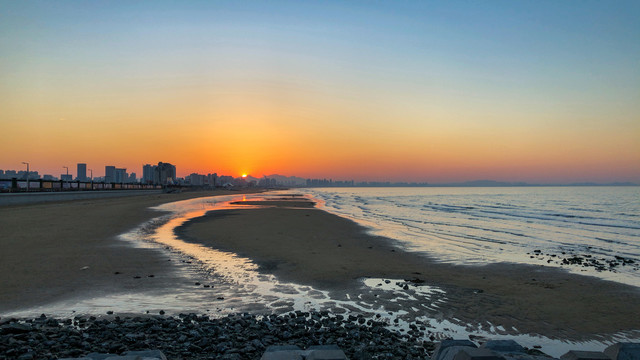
{"x":55,"y":251}
{"x":70,"y":249}
{"x":304,"y":245}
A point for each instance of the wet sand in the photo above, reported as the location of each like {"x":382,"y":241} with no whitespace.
{"x":304,"y":245}
{"x":56,"y":251}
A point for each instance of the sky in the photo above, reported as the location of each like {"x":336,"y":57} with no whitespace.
{"x":426,"y":91}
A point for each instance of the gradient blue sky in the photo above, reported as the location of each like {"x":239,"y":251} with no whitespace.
{"x":544,"y":91}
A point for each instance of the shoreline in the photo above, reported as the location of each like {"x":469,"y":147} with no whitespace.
{"x":475,"y":300}
{"x":301,"y":244}
{"x":56,"y":251}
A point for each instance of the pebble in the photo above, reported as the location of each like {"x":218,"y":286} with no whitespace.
{"x":192,"y":336}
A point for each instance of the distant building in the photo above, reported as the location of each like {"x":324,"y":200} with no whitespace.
{"x":212,"y":179}
{"x":197,"y":179}
{"x":147,"y":173}
{"x":109,"y":174}
{"x":132,"y":178}
{"x":267,"y":182}
{"x":10,"y":174}
{"x":120,"y":176}
{"x":82,"y":172}
{"x":49,"y":177}
{"x":32,"y":175}
{"x":164,"y":174}
{"x":66,"y":177}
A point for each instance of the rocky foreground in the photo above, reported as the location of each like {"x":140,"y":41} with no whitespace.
{"x":245,"y":336}
{"x":239,"y":336}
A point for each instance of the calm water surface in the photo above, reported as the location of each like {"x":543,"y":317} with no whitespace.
{"x":481,"y":225}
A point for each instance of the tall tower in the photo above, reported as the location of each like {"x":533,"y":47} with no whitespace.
{"x":109,"y":174}
{"x":82,"y":172}
{"x":147,"y":174}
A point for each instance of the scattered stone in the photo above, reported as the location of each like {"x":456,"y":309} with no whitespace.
{"x":308,"y":335}
{"x":585,"y":261}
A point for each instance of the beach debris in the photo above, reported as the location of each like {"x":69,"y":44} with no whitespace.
{"x":84,"y":268}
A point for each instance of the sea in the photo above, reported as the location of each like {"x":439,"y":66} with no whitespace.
{"x":592,"y":230}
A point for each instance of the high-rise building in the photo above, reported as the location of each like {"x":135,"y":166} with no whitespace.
{"x":82,"y":172}
{"x":109,"y":174}
{"x":120,"y":176}
{"x":213,"y":179}
{"x":164,"y":174}
{"x":147,"y":173}
{"x":197,"y":179}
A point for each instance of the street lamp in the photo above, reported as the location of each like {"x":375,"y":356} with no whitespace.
{"x":91,"y":171}
{"x":66,"y":167}
{"x":26,"y":163}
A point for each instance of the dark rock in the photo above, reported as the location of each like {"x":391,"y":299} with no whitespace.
{"x":584,"y":355}
{"x":503,"y":346}
{"x":441,"y":352}
{"x":15,"y":328}
{"x":623,"y":351}
{"x":145,"y":354}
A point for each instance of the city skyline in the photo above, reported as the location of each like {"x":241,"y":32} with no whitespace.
{"x":165,"y":173}
{"x":540,"y":92}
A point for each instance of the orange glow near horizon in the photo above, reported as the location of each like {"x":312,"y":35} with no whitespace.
{"x":340,"y":151}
